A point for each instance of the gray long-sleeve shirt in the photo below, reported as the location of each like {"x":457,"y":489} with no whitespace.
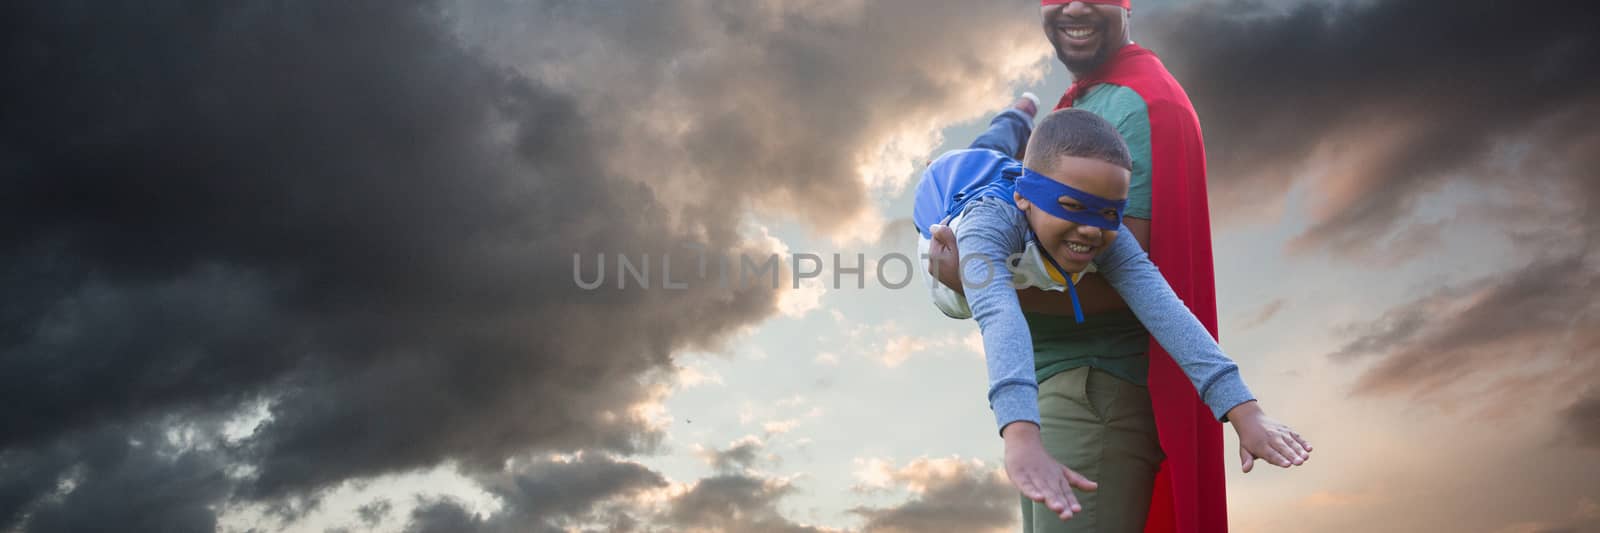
{"x":993,"y":229}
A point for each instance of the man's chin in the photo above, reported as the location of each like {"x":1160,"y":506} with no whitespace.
{"x":1080,"y":64}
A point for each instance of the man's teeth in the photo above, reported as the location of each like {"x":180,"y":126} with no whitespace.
{"x":1080,"y":33}
{"x":1079,"y":248}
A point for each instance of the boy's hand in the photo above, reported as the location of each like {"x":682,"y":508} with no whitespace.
{"x":944,"y":261}
{"x":1261,"y":436}
{"x":1038,"y":476}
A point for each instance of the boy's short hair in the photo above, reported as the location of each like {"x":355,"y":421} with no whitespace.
{"x":1077,"y":133}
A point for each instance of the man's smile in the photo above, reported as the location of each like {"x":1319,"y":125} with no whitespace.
{"x":1079,"y":35}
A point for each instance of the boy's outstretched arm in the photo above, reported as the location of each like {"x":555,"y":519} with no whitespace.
{"x":990,"y":232}
{"x":1214,"y":375}
{"x":1265,"y":438}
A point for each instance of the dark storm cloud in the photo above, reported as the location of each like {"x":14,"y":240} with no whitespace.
{"x":555,"y":496}
{"x":568,"y":488}
{"x":353,"y":214}
{"x":734,"y":503}
{"x":739,"y":455}
{"x":544,"y":496}
{"x":1527,"y":337}
{"x":1393,"y":99}
{"x":142,"y":479}
{"x":1397,"y":327}
{"x":1379,"y":107}
{"x":443,"y":516}
{"x":1581,"y":420}
{"x":780,"y":103}
{"x":24,"y":476}
{"x":951,"y":496}
{"x":334,"y":207}
{"x":373,"y":512}
{"x":1460,"y":331}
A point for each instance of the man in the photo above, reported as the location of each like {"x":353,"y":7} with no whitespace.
{"x":1167,"y":213}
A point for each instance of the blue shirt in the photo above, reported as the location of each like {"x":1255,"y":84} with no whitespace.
{"x":994,"y":229}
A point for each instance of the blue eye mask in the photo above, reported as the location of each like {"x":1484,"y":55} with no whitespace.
{"x":1046,"y":193}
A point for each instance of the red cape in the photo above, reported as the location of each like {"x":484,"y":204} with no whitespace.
{"x":1190,"y":493}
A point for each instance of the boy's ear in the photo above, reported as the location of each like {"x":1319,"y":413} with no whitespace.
{"x":1022,"y":203}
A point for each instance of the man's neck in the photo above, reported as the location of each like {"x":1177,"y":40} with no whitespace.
{"x":1110,"y":56}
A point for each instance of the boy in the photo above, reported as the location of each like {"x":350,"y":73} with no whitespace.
{"x":1058,"y":212}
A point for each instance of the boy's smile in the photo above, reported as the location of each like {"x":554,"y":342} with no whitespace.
{"x":1074,"y":245}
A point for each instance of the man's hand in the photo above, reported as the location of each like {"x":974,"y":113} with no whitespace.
{"x":1095,"y":294}
{"x":1262,"y":437}
{"x":1038,"y":476}
{"x":944,"y":261}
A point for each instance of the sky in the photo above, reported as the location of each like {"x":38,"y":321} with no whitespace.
{"x":327,"y":266}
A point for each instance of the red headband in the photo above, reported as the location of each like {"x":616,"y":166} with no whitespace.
{"x":1125,"y":4}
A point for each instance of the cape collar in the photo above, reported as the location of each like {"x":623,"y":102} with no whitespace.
{"x":1113,"y":66}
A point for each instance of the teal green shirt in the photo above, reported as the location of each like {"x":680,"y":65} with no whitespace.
{"x":1114,"y":341}
{"x":1125,"y":108}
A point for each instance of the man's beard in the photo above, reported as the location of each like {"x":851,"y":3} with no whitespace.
{"x":1079,"y":68}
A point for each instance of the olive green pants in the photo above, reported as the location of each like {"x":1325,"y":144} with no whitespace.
{"x":1100,"y":426}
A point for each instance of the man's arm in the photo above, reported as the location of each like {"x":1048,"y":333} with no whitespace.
{"x":1094,"y":292}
